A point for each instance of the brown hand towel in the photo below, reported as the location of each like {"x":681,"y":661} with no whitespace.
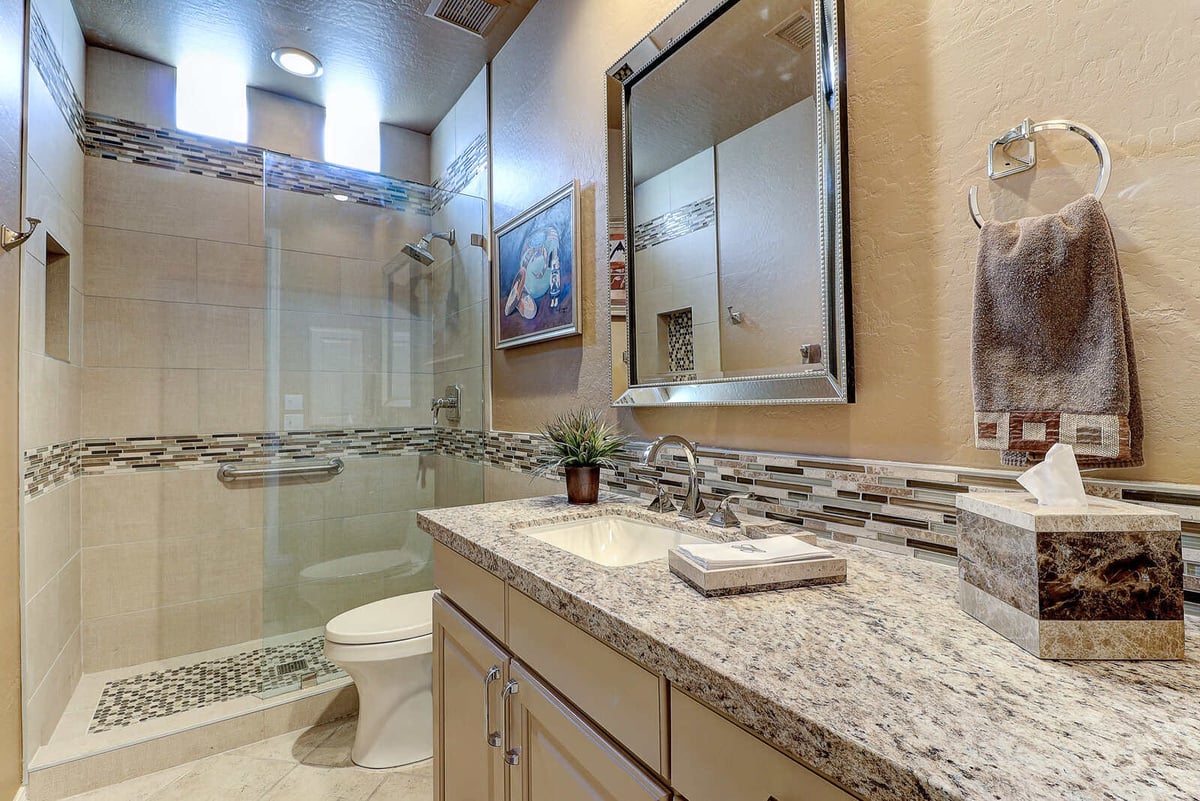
{"x":1051,"y":349}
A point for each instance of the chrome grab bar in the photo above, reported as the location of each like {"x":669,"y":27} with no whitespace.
{"x":231,"y":472}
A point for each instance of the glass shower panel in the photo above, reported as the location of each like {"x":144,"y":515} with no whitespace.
{"x":361,"y":335}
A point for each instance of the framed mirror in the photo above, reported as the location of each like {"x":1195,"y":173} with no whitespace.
{"x":729,"y":210}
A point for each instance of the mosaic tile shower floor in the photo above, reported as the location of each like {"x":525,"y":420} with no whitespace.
{"x":162,"y":693}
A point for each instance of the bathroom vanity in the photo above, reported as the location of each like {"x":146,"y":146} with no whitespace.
{"x":556,"y":677}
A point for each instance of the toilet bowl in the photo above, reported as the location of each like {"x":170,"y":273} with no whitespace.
{"x":387,"y":648}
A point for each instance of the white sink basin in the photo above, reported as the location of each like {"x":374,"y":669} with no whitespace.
{"x":612,"y":540}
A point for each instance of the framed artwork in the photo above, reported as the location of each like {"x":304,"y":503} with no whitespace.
{"x":617,"y":299}
{"x":534,"y":288}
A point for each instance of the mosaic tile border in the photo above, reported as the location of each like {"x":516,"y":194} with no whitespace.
{"x":162,"y":693}
{"x":468,"y":164}
{"x":49,"y":467}
{"x":674,"y":224}
{"x":897,"y":507}
{"x":132,"y":142}
{"x":179,"y":151}
{"x":902,"y":508}
{"x":49,"y":64}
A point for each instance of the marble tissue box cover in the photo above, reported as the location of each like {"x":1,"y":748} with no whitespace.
{"x":1100,"y":582}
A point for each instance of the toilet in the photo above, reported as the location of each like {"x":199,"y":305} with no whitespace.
{"x":387,"y":648}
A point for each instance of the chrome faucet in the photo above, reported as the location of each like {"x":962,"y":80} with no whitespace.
{"x":449,"y":402}
{"x":693,"y":504}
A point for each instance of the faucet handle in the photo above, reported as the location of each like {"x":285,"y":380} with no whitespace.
{"x":662,"y":499}
{"x":724,"y":516}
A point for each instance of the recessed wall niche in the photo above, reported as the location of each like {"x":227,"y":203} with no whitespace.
{"x":58,"y":300}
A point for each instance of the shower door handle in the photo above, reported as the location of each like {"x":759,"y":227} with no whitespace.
{"x":494,"y":738}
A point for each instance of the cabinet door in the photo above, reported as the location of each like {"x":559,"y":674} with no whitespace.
{"x":553,"y":753}
{"x":469,"y":672}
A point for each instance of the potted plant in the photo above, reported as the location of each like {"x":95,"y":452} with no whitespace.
{"x":581,"y":442}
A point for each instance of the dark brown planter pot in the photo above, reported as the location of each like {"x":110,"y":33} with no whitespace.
{"x":583,"y":484}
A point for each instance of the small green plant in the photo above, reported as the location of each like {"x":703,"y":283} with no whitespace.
{"x":581,"y":438}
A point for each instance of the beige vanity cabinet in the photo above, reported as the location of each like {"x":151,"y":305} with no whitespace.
{"x":557,"y":755}
{"x":497,"y":728}
{"x":469,"y":673}
{"x":529,"y":707}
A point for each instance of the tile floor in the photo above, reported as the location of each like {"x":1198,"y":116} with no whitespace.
{"x":308,"y":765}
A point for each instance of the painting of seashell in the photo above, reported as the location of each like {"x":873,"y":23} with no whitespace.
{"x":527,"y":306}
{"x":514,"y":294}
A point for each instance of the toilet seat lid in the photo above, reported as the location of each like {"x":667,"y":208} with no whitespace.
{"x":404,"y":617}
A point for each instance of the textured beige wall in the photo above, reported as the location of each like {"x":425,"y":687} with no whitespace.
{"x":12,"y":28}
{"x":929,"y":85}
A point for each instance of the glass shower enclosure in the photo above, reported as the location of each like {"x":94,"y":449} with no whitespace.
{"x":369,"y":318}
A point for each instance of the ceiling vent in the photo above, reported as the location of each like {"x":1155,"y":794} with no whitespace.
{"x":473,"y":16}
{"x":796,"y":32}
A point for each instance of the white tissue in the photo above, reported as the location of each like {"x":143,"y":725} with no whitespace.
{"x":1056,"y":481}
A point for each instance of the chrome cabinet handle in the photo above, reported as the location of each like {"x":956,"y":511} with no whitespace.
{"x":513,"y":755}
{"x":493,"y":737}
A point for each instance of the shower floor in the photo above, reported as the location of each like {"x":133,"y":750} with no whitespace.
{"x":127,"y":705}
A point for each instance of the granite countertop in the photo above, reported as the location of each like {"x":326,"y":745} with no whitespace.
{"x":882,"y":683}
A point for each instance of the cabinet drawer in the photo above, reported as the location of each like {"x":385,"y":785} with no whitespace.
{"x":471,"y":588}
{"x":620,"y":695}
{"x":715,"y":760}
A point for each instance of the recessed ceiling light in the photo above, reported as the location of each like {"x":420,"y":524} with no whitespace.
{"x":297,"y":62}
{"x":340,"y":198}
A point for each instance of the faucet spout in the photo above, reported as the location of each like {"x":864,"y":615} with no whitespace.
{"x":693,"y":504}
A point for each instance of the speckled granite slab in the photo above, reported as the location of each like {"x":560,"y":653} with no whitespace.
{"x":882,"y":682}
{"x":1102,"y":581}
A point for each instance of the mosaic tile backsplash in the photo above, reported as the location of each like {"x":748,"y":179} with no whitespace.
{"x":903,"y":508}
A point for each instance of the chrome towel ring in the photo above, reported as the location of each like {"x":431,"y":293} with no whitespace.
{"x":1013,"y":164}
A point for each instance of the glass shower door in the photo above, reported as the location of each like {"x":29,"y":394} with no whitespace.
{"x":368,"y":320}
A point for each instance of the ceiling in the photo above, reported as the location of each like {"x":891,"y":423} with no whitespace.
{"x":387,"y":51}
{"x":729,"y":77}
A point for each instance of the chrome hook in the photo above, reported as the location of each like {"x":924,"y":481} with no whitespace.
{"x":10,"y":239}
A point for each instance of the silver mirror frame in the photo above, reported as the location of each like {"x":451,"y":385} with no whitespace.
{"x":828,"y":383}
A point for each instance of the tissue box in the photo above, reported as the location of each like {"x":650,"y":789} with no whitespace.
{"x":1103,"y":581}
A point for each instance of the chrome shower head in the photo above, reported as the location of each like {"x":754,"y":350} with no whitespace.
{"x":420,"y":250}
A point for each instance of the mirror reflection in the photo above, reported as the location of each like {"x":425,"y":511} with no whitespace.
{"x":726,"y":233}
{"x":730,"y":171}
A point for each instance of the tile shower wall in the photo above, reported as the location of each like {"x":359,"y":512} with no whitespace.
{"x":768,"y":241}
{"x":174,"y":344}
{"x":50,"y":387}
{"x":675,"y":256}
{"x":460,"y":288}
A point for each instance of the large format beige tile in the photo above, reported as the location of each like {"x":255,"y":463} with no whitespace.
{"x":33,"y":304}
{"x":231,"y":275}
{"x":132,"y":401}
{"x":225,"y":777}
{"x":51,"y":618}
{"x":306,"y":783}
{"x":406,"y":786}
{"x":143,"y":198}
{"x":134,"y":264}
{"x":138,"y":789}
{"x":229,"y":338}
{"x":231,"y":401}
{"x":49,"y":698}
{"x":120,"y":332}
{"x":48,"y":536}
{"x":130,"y":88}
{"x":160,"y":633}
{"x":131,"y":507}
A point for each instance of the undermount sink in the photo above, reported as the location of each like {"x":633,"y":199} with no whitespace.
{"x":612,"y":540}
